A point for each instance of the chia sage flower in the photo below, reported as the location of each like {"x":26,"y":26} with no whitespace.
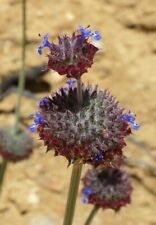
{"x":94,"y":132}
{"x":72,"y":56}
{"x":107,"y":188}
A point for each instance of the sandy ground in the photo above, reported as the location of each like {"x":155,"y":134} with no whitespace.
{"x":35,"y":190}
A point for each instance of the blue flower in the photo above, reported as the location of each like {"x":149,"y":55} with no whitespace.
{"x":97,"y":35}
{"x":98,"y":158}
{"x":43,"y":102}
{"x":70,"y":83}
{"x":135,"y":126}
{"x":86,"y":33}
{"x":32,"y":128}
{"x":38,"y":120}
{"x":87,"y":191}
{"x":131,"y":119}
{"x":84,"y":199}
{"x":45,"y":43}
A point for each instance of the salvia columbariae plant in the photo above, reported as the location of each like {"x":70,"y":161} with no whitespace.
{"x":84,"y":124}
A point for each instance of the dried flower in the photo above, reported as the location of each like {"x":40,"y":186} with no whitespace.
{"x":107,"y":188}
{"x":15,"y":146}
{"x":94,"y":132}
{"x":73,"y":55}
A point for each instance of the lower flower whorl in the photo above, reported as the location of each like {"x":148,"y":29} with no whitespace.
{"x":94,"y":132}
{"x":107,"y":188}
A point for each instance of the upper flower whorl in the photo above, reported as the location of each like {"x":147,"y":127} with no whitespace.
{"x":72,"y":56}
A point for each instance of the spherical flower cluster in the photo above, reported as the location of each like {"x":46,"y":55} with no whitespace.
{"x":15,"y":146}
{"x":72,"y":56}
{"x":107,"y":188}
{"x":94,"y":132}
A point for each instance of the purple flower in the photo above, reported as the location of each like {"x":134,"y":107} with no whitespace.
{"x":86,"y":33}
{"x":32,"y":128}
{"x":45,"y":43}
{"x":110,"y":188}
{"x":135,"y":126}
{"x":38,"y":120}
{"x":87,"y":191}
{"x":72,"y":55}
{"x":85,"y":199}
{"x":97,"y":35}
{"x":93,"y":132}
{"x":131,"y":119}
{"x":43,"y":102}
{"x":71,"y":83}
{"x":98,"y":158}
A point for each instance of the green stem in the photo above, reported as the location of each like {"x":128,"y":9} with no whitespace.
{"x":91,"y":215}
{"x":22,"y":72}
{"x":72,"y":194}
{"x":3,"y":167}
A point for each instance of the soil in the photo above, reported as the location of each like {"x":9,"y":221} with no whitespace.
{"x":34,"y":192}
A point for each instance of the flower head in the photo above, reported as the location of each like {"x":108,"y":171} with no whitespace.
{"x":94,"y":132}
{"x":107,"y":188}
{"x":72,"y":56}
{"x":15,"y":146}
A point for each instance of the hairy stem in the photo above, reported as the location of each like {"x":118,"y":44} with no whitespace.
{"x":72,"y":194}
{"x":22,"y":71}
{"x":91,"y":215}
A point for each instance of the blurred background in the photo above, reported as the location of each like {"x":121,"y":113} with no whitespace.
{"x":35,"y":190}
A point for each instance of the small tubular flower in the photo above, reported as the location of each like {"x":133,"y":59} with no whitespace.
{"x":131,"y":119}
{"x":107,"y":188}
{"x":45,"y":43}
{"x":38,"y":117}
{"x":94,"y":132}
{"x":87,"y":33}
{"x":72,"y":56}
{"x":15,"y":146}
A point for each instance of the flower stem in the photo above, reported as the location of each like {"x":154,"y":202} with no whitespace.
{"x":3,"y":167}
{"x":72,"y":194}
{"x":22,"y":71}
{"x":91,"y":215}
